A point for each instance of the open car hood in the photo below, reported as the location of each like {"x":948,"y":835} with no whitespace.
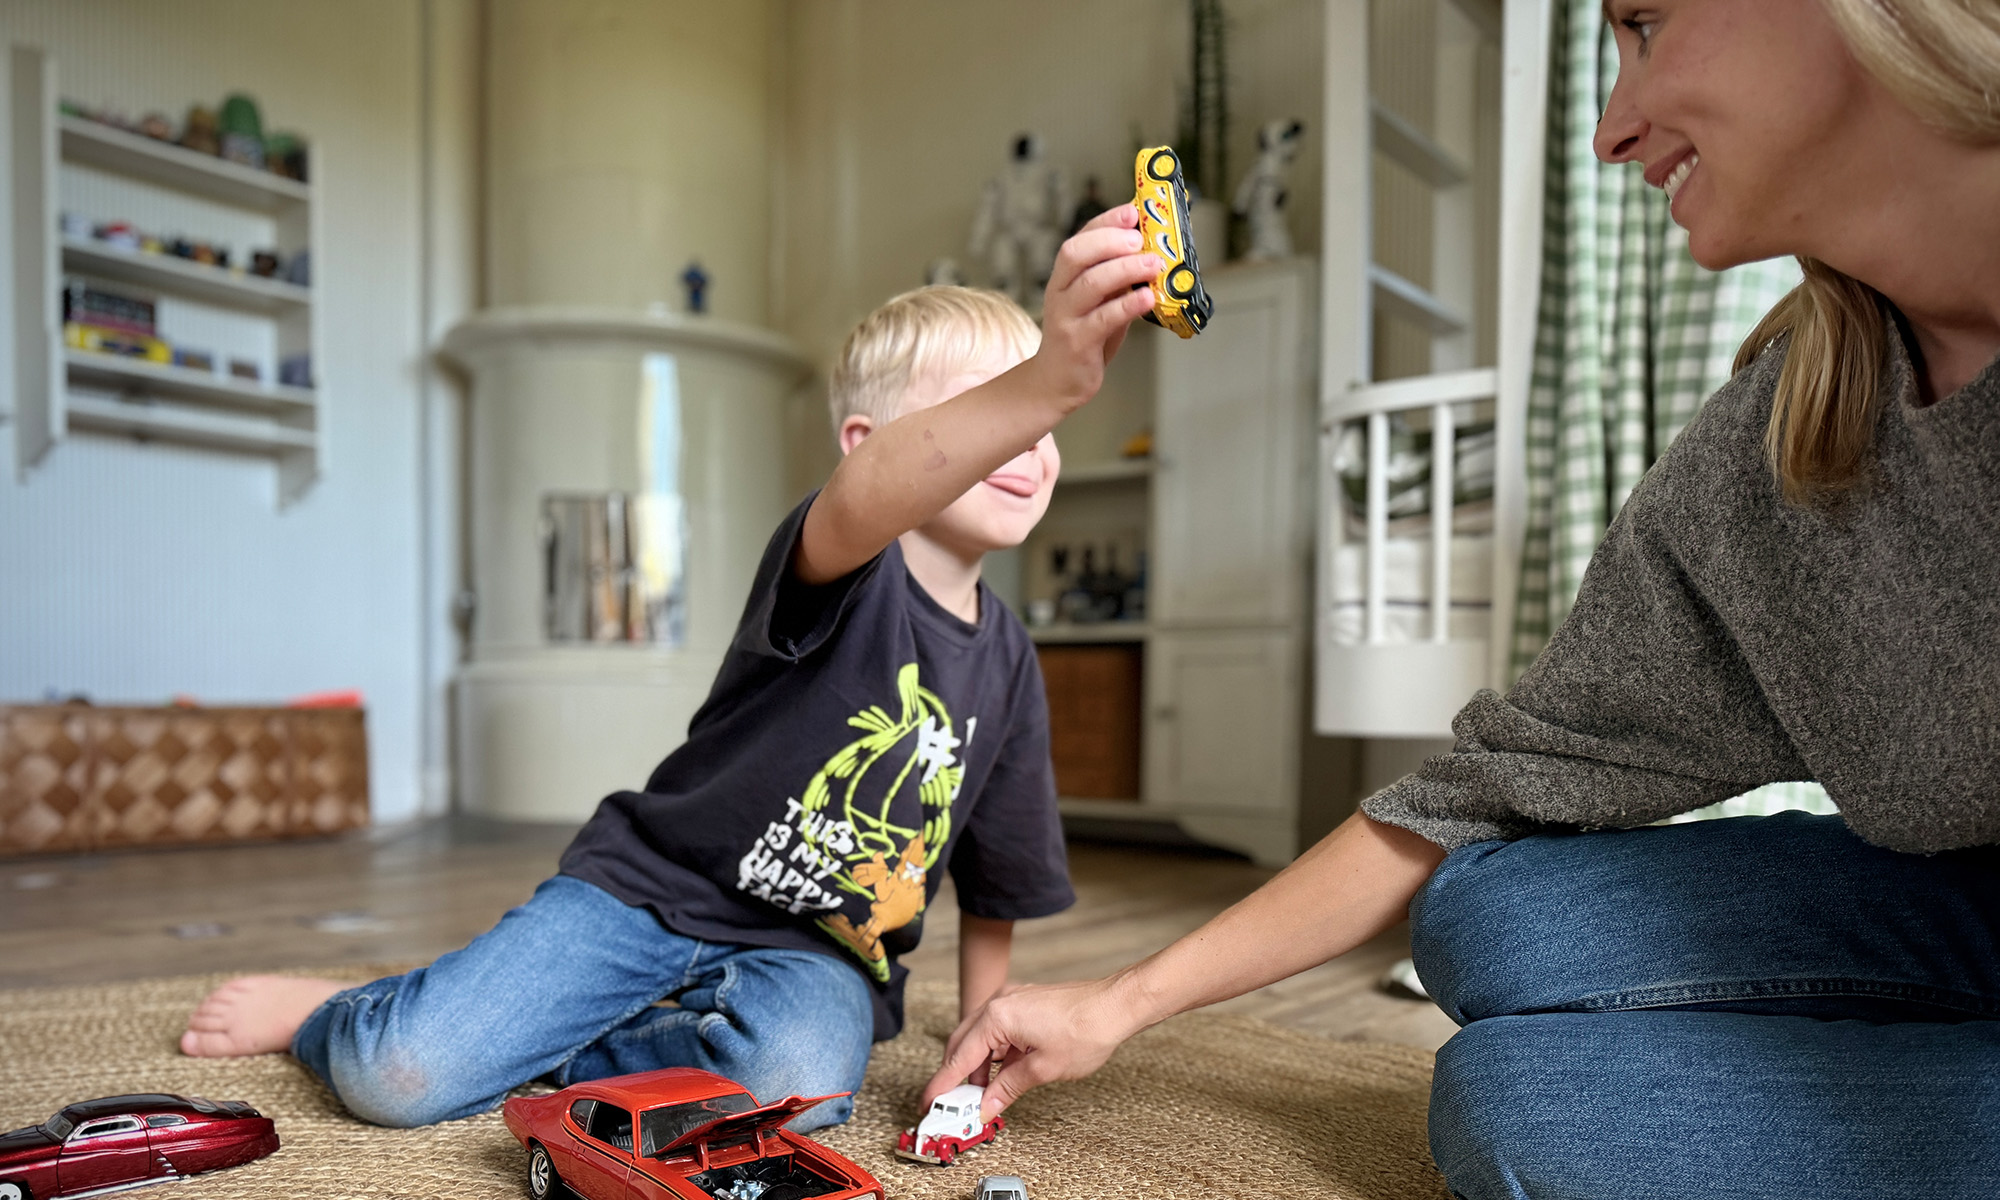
{"x":745,"y":1124}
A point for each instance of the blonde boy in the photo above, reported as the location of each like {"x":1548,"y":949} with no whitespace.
{"x":879,"y":719}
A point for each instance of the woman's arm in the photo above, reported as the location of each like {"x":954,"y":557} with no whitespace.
{"x":1355,"y":883}
{"x":984,"y":946}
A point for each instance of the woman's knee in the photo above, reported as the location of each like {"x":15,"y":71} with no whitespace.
{"x":1503,"y":1117}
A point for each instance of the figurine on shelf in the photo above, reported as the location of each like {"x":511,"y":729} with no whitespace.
{"x":1260,"y":197}
{"x":156,"y":126}
{"x":264,"y":263}
{"x":285,"y":154}
{"x":295,"y":370}
{"x":944,"y":272}
{"x":244,"y":369}
{"x":119,"y":235}
{"x":1087,"y":208}
{"x":298,"y":271}
{"x":695,"y":280}
{"x":1020,"y":219}
{"x":201,"y":134}
{"x":242,"y":131}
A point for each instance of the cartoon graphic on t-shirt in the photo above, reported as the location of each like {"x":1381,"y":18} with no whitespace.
{"x":854,"y":834}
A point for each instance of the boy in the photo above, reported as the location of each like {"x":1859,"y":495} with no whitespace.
{"x":878,"y":718}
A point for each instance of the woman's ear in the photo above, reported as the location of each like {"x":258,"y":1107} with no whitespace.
{"x":852,"y":430}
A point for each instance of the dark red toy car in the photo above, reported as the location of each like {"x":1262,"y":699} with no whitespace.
{"x":127,"y":1141}
{"x":698,"y":1134}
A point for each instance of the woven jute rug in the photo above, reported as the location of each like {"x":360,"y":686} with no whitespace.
{"x":1203,"y":1106}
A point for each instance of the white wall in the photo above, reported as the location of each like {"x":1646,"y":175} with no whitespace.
{"x":132,"y":572}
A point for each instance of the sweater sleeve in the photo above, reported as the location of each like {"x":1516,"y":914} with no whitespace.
{"x":1642,"y":706}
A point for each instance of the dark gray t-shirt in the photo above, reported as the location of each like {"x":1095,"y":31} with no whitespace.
{"x":858,"y":742}
{"x":1724,"y":639}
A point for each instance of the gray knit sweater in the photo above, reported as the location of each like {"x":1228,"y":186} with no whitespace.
{"x":1723,"y":639}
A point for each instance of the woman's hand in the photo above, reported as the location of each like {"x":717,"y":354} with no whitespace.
{"x":1039,"y":1033}
{"x":1354,"y":884}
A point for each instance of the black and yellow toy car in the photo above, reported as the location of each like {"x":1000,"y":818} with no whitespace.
{"x":1179,"y":302}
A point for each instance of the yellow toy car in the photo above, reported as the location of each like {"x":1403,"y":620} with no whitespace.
{"x":1179,"y":302}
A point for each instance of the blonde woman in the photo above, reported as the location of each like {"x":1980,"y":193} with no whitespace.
{"x":1807,"y":586}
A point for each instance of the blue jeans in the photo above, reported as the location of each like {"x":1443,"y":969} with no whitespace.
{"x":566,"y":986}
{"x":1761,"y":1007}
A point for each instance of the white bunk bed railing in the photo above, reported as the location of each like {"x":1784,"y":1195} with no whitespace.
{"x":1439,"y":396}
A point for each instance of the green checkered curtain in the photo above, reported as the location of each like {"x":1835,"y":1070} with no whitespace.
{"x":1632,"y":336}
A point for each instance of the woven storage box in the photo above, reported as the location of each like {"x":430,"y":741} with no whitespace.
{"x":76,"y":777}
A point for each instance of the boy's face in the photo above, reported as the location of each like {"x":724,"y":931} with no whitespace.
{"x":1001,"y":510}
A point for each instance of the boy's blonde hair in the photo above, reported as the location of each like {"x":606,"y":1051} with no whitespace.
{"x":927,"y":333}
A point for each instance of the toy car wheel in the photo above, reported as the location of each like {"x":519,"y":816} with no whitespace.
{"x":543,"y":1182}
{"x":947,"y":1154}
{"x":1162,"y":165}
{"x":1180,"y":282}
{"x":12,"y":1190}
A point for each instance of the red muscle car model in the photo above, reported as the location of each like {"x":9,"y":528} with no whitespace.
{"x":125,"y":1141}
{"x":697,"y":1134}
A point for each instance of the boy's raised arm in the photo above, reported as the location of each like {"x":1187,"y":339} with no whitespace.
{"x":911,"y":469}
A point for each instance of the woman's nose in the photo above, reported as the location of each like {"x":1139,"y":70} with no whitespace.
{"x":1620,"y":128}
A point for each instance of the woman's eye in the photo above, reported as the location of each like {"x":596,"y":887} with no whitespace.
{"x":1642,"y":27}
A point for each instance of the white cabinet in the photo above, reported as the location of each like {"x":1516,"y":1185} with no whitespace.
{"x":1232,"y":526}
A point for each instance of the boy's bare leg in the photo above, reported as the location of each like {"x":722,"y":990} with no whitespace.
{"x":255,"y":1014}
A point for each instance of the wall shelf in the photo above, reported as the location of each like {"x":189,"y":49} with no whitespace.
{"x":248,"y":292}
{"x":188,"y":428}
{"x":164,"y":163}
{"x":185,"y":383}
{"x":1119,"y":471}
{"x":60,"y":390}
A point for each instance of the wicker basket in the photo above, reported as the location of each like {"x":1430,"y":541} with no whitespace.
{"x":76,"y":777}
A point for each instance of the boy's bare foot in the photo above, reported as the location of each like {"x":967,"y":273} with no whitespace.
{"x":256,"y":1014}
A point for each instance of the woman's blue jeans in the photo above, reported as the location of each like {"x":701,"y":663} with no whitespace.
{"x":566,"y":987}
{"x":1760,"y":1007}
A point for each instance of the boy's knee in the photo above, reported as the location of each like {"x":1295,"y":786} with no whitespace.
{"x":396,"y":1089}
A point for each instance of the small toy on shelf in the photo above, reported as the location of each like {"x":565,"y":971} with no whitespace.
{"x":194,"y":360}
{"x":295,"y":370}
{"x":118,"y":234}
{"x":1000,"y":1187}
{"x":264,"y":263}
{"x":299,"y":270}
{"x":244,"y":369}
{"x":1179,"y":301}
{"x":126,"y":1141}
{"x":242,"y":132}
{"x":201,"y":134}
{"x":156,"y":126}
{"x":950,"y":1128}
{"x":695,"y":280}
{"x":659,"y":1135}
{"x":285,"y":154}
{"x":77,"y":225}
{"x":1260,"y":197}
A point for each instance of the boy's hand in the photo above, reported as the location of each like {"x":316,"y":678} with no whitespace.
{"x":1094,"y":295}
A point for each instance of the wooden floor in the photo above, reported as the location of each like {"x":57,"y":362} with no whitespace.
{"x":415,"y":891}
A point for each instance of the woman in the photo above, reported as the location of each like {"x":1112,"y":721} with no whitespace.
{"x":1807,"y":586}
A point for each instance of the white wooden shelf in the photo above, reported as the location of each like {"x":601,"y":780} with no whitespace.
{"x":59,"y":389}
{"x":1067,"y":632}
{"x":176,"y":167}
{"x":1398,"y":297}
{"x":189,"y":428}
{"x":1120,"y":471}
{"x":1404,"y":143}
{"x":158,"y":379}
{"x":193,"y":279}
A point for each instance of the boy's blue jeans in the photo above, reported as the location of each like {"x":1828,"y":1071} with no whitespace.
{"x":1761,"y":1007}
{"x":565,"y":986}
